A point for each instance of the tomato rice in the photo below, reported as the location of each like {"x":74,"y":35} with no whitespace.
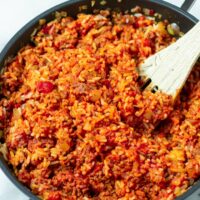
{"x":76,"y":123}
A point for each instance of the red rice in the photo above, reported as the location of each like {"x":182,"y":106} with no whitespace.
{"x":76,"y":124}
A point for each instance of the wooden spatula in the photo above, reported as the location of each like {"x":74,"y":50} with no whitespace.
{"x":168,"y":69}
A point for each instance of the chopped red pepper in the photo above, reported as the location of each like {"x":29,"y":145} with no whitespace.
{"x":45,"y":87}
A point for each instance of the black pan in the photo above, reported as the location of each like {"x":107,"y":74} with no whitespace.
{"x":168,"y":11}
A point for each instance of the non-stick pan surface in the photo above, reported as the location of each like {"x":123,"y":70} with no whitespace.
{"x":72,"y":7}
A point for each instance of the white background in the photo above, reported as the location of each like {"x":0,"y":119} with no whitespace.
{"x":13,"y":15}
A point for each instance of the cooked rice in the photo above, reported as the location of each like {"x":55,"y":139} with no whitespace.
{"x":77,"y":125}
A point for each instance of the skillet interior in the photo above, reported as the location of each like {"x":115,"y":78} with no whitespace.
{"x":168,"y":11}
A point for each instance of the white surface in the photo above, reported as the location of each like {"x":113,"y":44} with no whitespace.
{"x":13,"y":15}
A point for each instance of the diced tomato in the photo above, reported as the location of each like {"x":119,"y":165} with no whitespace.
{"x":147,"y":42}
{"x":45,"y":87}
{"x":151,"y":12}
{"x":136,"y":24}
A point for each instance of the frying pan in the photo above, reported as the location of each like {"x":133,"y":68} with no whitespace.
{"x":72,"y":7}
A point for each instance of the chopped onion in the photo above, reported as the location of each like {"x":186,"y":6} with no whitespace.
{"x":137,"y":14}
{"x":103,"y":2}
{"x":93,"y":3}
